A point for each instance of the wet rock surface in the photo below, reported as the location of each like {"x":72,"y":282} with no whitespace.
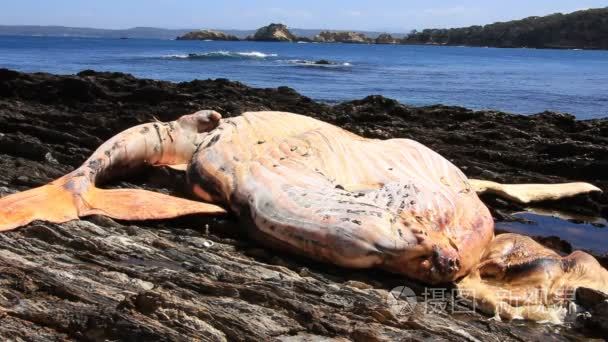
{"x":203,"y":278}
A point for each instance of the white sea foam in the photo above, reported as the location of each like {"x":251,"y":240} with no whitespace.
{"x":222,"y":54}
{"x":175,"y":56}
{"x":256,"y":54}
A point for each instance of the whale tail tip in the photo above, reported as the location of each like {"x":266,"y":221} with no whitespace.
{"x":49,"y":202}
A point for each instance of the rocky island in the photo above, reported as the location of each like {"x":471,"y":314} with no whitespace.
{"x":281,"y":33}
{"x":342,"y":37}
{"x":207,"y":35}
{"x":273,"y":33}
{"x":204,"y":278}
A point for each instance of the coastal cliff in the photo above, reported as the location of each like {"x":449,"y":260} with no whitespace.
{"x":204,"y":278}
{"x":586,"y":29}
{"x":273,"y":33}
{"x":207,"y":35}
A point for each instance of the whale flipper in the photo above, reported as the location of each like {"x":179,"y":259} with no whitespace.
{"x":528,"y":193}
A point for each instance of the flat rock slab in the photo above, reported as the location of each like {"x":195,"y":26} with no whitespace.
{"x":202,"y":278}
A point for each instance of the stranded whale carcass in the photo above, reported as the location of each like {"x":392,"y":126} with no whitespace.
{"x":312,"y":188}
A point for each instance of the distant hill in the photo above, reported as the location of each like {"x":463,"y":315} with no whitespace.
{"x":137,"y":32}
{"x":586,"y":29}
{"x":63,"y":31}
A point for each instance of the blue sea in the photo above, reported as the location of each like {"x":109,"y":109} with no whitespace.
{"x":523,"y":81}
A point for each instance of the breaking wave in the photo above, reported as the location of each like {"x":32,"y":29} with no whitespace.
{"x":223,"y":55}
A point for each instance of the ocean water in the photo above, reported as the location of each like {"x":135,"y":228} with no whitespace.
{"x":523,"y":81}
{"x":586,"y":233}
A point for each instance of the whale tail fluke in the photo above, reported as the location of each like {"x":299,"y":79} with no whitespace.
{"x":69,"y":198}
{"x":49,"y":202}
{"x":137,"y":205}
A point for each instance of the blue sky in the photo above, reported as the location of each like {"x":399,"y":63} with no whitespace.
{"x":385,"y":15}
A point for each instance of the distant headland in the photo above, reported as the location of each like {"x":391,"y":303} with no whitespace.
{"x":585,"y":29}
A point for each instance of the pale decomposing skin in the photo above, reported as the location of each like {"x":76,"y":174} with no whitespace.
{"x":519,"y":278}
{"x":314,"y":189}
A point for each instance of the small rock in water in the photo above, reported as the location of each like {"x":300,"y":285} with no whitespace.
{"x":323,"y":62}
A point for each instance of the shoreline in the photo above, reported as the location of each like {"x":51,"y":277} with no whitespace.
{"x":325,"y":101}
{"x":163,"y":276}
{"x":314,"y":42}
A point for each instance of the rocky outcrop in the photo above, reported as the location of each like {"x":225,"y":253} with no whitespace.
{"x":273,"y":33}
{"x":385,"y":38}
{"x":342,"y":37}
{"x":201,"y":278}
{"x":207,"y":35}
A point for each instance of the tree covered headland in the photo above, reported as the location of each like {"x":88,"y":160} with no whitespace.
{"x":586,"y":29}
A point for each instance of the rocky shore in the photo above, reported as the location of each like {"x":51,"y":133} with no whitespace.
{"x":99,"y":279}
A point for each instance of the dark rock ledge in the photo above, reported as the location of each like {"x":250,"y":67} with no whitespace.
{"x":196,"y":278}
